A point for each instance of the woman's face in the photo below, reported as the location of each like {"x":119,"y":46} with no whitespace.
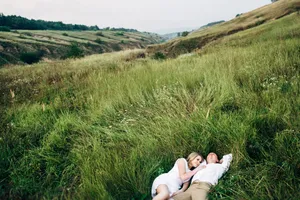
{"x":196,"y":161}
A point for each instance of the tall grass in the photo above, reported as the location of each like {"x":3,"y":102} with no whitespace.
{"x":103,"y":127}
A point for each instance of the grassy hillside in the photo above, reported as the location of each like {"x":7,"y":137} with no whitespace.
{"x":103,"y":127}
{"x":199,"y":39}
{"x":56,"y":44}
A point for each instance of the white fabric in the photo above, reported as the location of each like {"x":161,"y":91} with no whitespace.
{"x":203,"y":163}
{"x":171,"y":179}
{"x":213,"y":171}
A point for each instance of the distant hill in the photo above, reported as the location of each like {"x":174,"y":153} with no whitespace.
{"x":198,"y":39}
{"x":170,"y":36}
{"x":57,"y":44}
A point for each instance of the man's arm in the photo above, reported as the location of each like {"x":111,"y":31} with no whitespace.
{"x":225,"y":162}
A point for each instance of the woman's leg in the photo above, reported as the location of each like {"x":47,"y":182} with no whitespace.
{"x":162,"y":192}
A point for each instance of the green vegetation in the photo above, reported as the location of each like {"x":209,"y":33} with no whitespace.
{"x":74,"y":52}
{"x":31,"y":57}
{"x":159,"y":56}
{"x":18,"y":22}
{"x":100,"y":34}
{"x":5,"y":29}
{"x":99,"y":41}
{"x":56,"y":43}
{"x":119,"y":34}
{"x":185,"y":33}
{"x":104,"y":126}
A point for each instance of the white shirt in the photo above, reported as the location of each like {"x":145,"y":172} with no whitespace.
{"x":213,"y":171}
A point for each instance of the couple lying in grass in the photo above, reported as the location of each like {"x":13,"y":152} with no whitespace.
{"x":205,"y":173}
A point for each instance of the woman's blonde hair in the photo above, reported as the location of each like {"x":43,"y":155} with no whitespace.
{"x":192,"y":156}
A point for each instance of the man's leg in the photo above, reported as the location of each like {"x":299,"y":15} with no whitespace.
{"x":200,"y":192}
{"x":187,"y":195}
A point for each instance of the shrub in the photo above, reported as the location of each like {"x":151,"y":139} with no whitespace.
{"x":119,"y":34}
{"x":99,"y":34}
{"x":28,"y":33}
{"x":116,"y":47}
{"x":74,"y":52}
{"x":99,"y":41}
{"x":65,"y":34}
{"x":4,"y":28}
{"x":185,"y":33}
{"x":159,"y":56}
{"x":31,"y":57}
{"x":259,"y":22}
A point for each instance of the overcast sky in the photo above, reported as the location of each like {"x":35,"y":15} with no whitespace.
{"x":144,"y":15}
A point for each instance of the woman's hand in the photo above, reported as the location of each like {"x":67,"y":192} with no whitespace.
{"x":175,"y":193}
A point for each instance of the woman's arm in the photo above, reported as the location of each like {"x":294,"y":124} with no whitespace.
{"x":184,"y":176}
{"x":184,"y":187}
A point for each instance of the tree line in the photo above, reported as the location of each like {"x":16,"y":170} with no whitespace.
{"x":22,"y":23}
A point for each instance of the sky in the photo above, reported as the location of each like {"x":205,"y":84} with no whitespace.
{"x":160,"y":16}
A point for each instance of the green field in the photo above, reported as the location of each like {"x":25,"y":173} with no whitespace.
{"x":104,"y":126}
{"x":55,"y":44}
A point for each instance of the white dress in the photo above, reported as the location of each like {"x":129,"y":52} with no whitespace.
{"x":171,"y":179}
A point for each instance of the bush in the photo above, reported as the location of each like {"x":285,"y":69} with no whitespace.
{"x":4,"y":28}
{"x":99,"y":41}
{"x":116,"y":47}
{"x":74,"y":52}
{"x":185,"y":33}
{"x":119,"y":34}
{"x":31,"y":57}
{"x":99,"y":34}
{"x":159,"y":56}
{"x":28,"y":34}
{"x":65,"y":34}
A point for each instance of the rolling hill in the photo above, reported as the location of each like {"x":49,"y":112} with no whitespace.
{"x":198,"y":39}
{"x":56,"y":44}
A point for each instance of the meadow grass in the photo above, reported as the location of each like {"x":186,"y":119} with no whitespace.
{"x":103,"y":127}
